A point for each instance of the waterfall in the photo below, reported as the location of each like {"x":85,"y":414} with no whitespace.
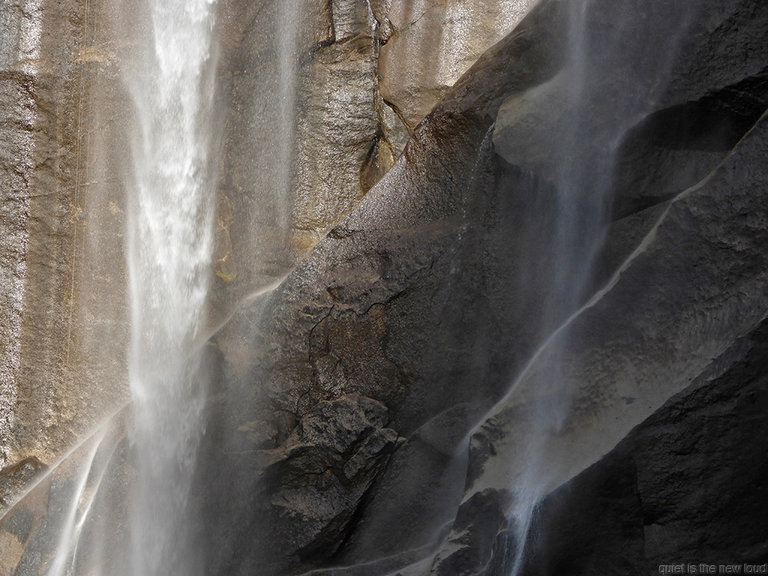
{"x":587,"y":135}
{"x":428,"y":373}
{"x":581,"y":190}
{"x":170,"y":241}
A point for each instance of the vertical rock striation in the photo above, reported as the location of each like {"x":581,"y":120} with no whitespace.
{"x":53,"y":389}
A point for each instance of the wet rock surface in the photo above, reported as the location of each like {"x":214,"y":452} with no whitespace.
{"x":82,"y":497}
{"x":421,"y":300}
{"x":307,"y":99}
{"x":61,"y":260}
{"x":430,"y":45}
{"x":361,"y":421}
{"x":14,"y":479}
{"x":686,"y":486}
{"x":64,"y":160}
{"x":665,"y":135}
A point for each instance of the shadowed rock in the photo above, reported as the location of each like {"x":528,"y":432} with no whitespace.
{"x":423,"y":300}
{"x":340,"y":435}
{"x":686,"y":485}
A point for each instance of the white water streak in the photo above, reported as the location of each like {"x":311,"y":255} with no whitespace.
{"x":79,"y":506}
{"x":170,"y":244}
{"x":288,"y":77}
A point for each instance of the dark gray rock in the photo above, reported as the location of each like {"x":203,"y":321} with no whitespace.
{"x":394,"y":305}
{"x":686,"y":486}
{"x":614,"y":361}
{"x":361,"y":422}
{"x":663,"y":91}
{"x":710,"y":288}
{"x":326,"y":467}
{"x":428,"y":298}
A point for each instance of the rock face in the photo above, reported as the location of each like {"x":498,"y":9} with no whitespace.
{"x":658,"y":497}
{"x":428,"y":46}
{"x":61,"y":353}
{"x":65,"y":130}
{"x":425,"y":299}
{"x":311,"y":123}
{"x":406,"y":400}
{"x":78,"y":500}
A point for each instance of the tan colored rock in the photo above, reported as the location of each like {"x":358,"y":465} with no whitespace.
{"x":11,"y":550}
{"x":337,"y":123}
{"x":63,"y":158}
{"x":433,"y":43}
{"x":63,"y":335}
{"x":300,"y":125}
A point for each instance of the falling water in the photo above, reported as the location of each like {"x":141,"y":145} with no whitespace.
{"x":287,"y":84}
{"x":74,"y":519}
{"x":169,"y":260}
{"x":582,"y":172}
{"x":581,"y":191}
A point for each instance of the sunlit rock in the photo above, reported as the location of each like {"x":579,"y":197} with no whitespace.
{"x":488,"y":290}
{"x":432,"y":44}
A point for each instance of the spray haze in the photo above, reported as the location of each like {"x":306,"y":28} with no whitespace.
{"x":170,"y":244}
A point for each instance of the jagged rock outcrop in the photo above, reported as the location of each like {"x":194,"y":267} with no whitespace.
{"x":363,"y":419}
{"x":311,"y":101}
{"x":66,"y":120}
{"x":420,"y":299}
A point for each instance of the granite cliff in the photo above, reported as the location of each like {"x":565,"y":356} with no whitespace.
{"x":394,"y":392}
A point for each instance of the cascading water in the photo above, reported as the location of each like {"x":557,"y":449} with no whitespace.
{"x":580,"y":198}
{"x":170,"y":245}
{"x":586,"y":134}
{"x":581,"y":191}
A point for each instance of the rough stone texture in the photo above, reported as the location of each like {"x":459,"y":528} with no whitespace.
{"x":361,"y":421}
{"x":686,"y":486}
{"x":431,"y":44}
{"x":353,"y":292}
{"x":80,"y":500}
{"x":337,"y":124}
{"x":388,"y":305}
{"x":14,"y":479}
{"x":301,"y":127}
{"x":59,"y":251}
{"x":423,"y":300}
{"x":307,"y":98}
{"x":17,"y":112}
